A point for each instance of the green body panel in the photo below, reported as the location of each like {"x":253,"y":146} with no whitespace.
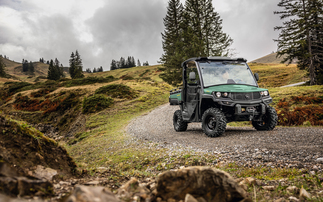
{"x":233,"y":89}
{"x":176,"y":96}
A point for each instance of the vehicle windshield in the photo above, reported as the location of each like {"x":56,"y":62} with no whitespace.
{"x":226,"y":72}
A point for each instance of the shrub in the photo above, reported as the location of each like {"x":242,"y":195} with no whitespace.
{"x":88,"y":80}
{"x":126,"y":77}
{"x":42,"y":92}
{"x":289,"y":114}
{"x":117,"y":91}
{"x":96,"y":103}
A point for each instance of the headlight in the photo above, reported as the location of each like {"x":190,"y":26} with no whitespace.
{"x":264,"y":93}
{"x":225,"y":94}
{"x":218,"y":94}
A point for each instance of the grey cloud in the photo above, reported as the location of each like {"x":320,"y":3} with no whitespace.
{"x":129,"y":29}
{"x":251,"y":25}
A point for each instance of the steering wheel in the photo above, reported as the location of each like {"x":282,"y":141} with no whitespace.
{"x":237,"y":80}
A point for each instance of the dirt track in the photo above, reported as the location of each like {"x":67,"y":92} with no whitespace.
{"x":284,"y":146}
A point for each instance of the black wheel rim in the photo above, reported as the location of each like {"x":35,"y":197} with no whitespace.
{"x":211,"y":122}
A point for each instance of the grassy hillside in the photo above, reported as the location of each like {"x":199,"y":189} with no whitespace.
{"x":96,"y":137}
{"x":14,"y":69}
{"x":269,"y":59}
{"x":276,"y":75}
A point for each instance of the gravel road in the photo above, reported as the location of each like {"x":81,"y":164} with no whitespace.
{"x":283,"y":147}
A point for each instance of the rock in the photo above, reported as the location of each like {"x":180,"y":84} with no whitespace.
{"x":132,"y":190}
{"x":102,"y":169}
{"x":94,"y":182}
{"x":303,"y":194}
{"x":269,"y":188}
{"x":312,"y":172}
{"x":14,"y":184}
{"x":251,"y":180}
{"x":208,"y":183}
{"x":319,"y":160}
{"x":190,"y":198}
{"x":89,"y":193}
{"x":293,"y":199}
{"x":315,"y":168}
{"x":47,"y":173}
{"x":280,"y":200}
{"x":27,"y":187}
{"x":292,"y":189}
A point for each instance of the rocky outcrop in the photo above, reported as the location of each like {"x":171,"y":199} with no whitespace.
{"x":202,"y":183}
{"x":90,"y":194}
{"x":15,"y":184}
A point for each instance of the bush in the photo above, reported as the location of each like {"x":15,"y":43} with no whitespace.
{"x":117,"y":91}
{"x":96,"y":103}
{"x":289,"y":114}
{"x":88,"y":80}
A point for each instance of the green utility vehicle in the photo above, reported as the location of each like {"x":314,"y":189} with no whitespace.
{"x":219,"y":90}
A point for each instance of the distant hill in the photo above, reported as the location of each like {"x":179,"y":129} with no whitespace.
{"x":14,"y":69}
{"x":270,"y":59}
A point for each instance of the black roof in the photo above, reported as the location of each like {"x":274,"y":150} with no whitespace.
{"x":214,"y":59}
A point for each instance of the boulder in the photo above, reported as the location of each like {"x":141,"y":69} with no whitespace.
{"x":200,"y":182}
{"x":83,"y":193}
{"x":13,"y":184}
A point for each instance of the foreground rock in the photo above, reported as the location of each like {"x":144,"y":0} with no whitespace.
{"x":188,"y":184}
{"x":200,"y":182}
{"x":14,"y":184}
{"x":90,"y":194}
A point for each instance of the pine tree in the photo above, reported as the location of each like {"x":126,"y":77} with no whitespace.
{"x":133,"y":62}
{"x":76,"y":66}
{"x":172,"y":43}
{"x":301,"y":35}
{"x":100,"y":69}
{"x":25,"y":65}
{"x":53,"y":72}
{"x":72,"y":65}
{"x":31,"y":67}
{"x":138,"y":63}
{"x":88,"y":70}
{"x":122,"y":63}
{"x":193,"y":31}
{"x":2,"y":68}
{"x":113,"y":65}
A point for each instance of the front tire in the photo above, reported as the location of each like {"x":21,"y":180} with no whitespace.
{"x":269,"y":120}
{"x":178,"y":122}
{"x":213,"y":122}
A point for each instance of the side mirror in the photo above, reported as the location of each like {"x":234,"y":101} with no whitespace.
{"x":256,"y":76}
{"x":192,"y":76}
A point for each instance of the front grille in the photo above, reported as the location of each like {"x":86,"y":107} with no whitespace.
{"x":245,"y":96}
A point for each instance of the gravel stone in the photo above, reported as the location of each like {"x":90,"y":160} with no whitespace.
{"x":294,"y":147}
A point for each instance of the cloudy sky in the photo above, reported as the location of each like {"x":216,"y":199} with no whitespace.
{"x":102,"y":30}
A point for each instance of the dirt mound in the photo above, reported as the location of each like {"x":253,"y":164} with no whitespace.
{"x":24,"y":147}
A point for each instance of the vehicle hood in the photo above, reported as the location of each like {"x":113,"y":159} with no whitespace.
{"x":233,"y":89}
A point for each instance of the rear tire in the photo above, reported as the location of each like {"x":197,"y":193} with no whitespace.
{"x":269,"y":120}
{"x":213,"y":122}
{"x":178,"y":122}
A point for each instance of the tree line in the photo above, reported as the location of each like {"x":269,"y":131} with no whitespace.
{"x":99,"y":69}
{"x":192,"y":30}
{"x":301,"y":36}
{"x":126,"y":63}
